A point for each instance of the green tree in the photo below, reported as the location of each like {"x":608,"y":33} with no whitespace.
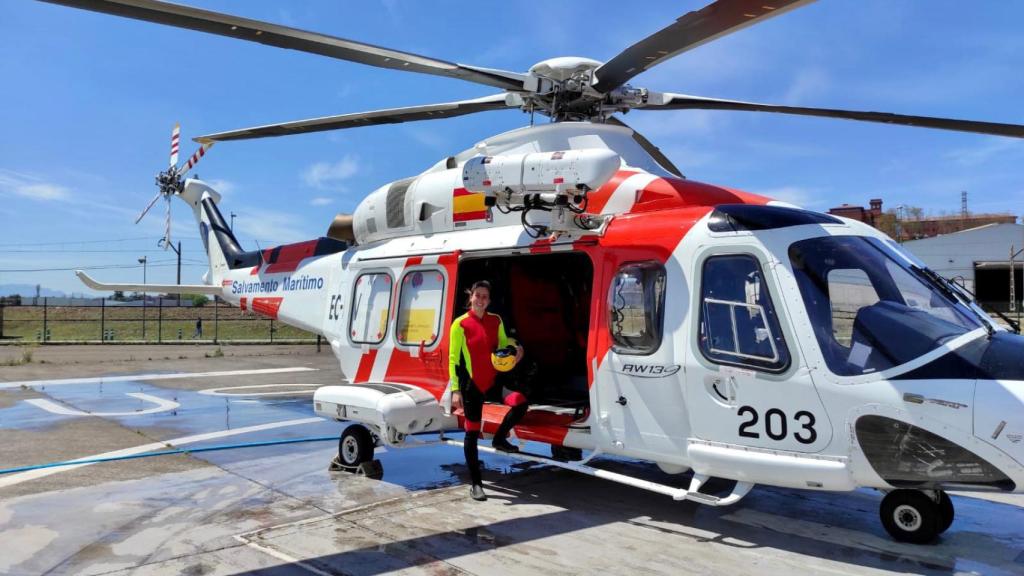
{"x":199,"y":300}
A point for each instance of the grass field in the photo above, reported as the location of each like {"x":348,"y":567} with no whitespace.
{"x":124,"y":323}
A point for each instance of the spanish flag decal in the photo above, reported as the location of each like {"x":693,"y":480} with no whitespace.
{"x":468,"y":205}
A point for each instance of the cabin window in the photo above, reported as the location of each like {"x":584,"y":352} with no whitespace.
{"x":738,"y":325}
{"x":420,"y":306}
{"x":371,"y":304}
{"x":636,"y":308}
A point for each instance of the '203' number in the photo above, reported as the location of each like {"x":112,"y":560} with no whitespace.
{"x":775,"y":425}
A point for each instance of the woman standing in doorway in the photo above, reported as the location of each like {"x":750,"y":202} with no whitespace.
{"x":474,"y":337}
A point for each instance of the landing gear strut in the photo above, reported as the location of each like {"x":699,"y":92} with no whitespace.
{"x":915,"y":516}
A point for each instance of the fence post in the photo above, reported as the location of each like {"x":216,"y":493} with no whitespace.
{"x":1,"y":320}
{"x":271,"y":329}
{"x":159,"y":320}
{"x":103,"y":319}
{"x":216,"y":325}
{"x":45,"y":329}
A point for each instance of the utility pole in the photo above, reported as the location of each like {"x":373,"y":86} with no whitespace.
{"x":177,"y":250}
{"x":233,"y":222}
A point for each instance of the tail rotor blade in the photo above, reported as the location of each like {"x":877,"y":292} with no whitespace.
{"x":192,"y":161}
{"x":175,"y":135}
{"x":148,"y":206}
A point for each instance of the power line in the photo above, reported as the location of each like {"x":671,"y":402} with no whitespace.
{"x":76,"y":242}
{"x":161,"y":264}
{"x":88,"y":251}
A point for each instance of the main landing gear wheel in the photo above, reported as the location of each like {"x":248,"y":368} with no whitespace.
{"x":912,"y":516}
{"x":355,"y":446}
{"x":946,"y":512}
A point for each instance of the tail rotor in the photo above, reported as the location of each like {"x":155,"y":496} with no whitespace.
{"x":171,"y":181}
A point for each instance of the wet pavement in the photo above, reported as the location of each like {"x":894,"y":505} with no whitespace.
{"x":278,"y":510}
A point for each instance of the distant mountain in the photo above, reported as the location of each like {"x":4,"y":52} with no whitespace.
{"x":28,"y":290}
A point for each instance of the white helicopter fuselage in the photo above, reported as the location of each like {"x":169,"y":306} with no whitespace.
{"x":701,"y":328}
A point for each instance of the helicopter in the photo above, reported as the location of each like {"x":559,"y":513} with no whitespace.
{"x":695,"y":326}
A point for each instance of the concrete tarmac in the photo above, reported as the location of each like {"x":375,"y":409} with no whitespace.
{"x":279,"y":510}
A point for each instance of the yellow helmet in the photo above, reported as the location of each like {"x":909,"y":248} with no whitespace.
{"x":504,"y":359}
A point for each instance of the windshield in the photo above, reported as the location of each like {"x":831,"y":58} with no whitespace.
{"x":871,"y":310}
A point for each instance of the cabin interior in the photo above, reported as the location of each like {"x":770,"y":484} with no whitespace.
{"x":544,"y":301}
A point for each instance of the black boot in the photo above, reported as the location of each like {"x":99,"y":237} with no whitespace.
{"x":512,"y":417}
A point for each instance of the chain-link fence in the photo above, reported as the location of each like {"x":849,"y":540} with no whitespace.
{"x":158,"y":321}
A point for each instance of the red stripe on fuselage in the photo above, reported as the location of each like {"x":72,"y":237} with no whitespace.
{"x":597,"y":199}
{"x":288,"y":256}
{"x":365,"y":365}
{"x":429,"y":369}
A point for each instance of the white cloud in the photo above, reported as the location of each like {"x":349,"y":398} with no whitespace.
{"x":803,"y":197}
{"x":809,"y":84}
{"x":324,"y":175}
{"x":992,"y":148}
{"x":225,"y":187}
{"x":321,"y":201}
{"x":31,"y":187}
{"x":272,"y":226}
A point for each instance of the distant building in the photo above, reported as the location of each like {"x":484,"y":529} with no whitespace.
{"x":979,"y":258}
{"x":869,"y":215}
{"x":912,"y":224}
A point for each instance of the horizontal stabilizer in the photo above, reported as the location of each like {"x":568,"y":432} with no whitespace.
{"x":161,"y":288}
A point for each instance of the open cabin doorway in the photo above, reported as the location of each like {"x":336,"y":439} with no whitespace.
{"x":544,"y":301}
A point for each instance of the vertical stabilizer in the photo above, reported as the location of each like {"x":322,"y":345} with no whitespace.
{"x":222,"y":248}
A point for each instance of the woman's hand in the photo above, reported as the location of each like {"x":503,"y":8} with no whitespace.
{"x":456,"y":401}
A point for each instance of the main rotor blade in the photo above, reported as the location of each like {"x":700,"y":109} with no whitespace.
{"x":689,"y":31}
{"x":649,"y":146}
{"x":294,"y":39}
{"x":685,"y":102}
{"x":388,"y":116}
{"x":148,"y":206}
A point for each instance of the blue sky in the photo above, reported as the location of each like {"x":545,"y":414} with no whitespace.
{"x":88,"y":102}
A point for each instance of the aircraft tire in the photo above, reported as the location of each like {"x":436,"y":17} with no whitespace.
{"x":946,"y":511}
{"x":355,"y":446}
{"x":911,"y":516}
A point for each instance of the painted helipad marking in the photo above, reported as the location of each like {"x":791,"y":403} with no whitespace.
{"x":310,"y":388}
{"x":20,"y":477}
{"x":137,"y":377}
{"x":54,"y":408}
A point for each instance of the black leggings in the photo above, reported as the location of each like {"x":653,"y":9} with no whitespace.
{"x":473,"y":406}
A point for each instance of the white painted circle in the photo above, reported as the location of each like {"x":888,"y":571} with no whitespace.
{"x":907,"y":517}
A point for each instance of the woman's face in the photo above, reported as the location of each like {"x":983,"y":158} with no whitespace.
{"x":479,"y":299}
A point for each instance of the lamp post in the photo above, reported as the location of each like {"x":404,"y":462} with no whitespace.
{"x":143,"y":261}
{"x":901,"y":215}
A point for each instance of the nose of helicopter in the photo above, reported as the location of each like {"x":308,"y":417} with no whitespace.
{"x":999,"y":399}
{"x":999,"y":415}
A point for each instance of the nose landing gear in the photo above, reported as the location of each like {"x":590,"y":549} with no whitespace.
{"x":916,"y":516}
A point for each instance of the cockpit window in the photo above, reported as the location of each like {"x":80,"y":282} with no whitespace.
{"x":869,"y":309}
